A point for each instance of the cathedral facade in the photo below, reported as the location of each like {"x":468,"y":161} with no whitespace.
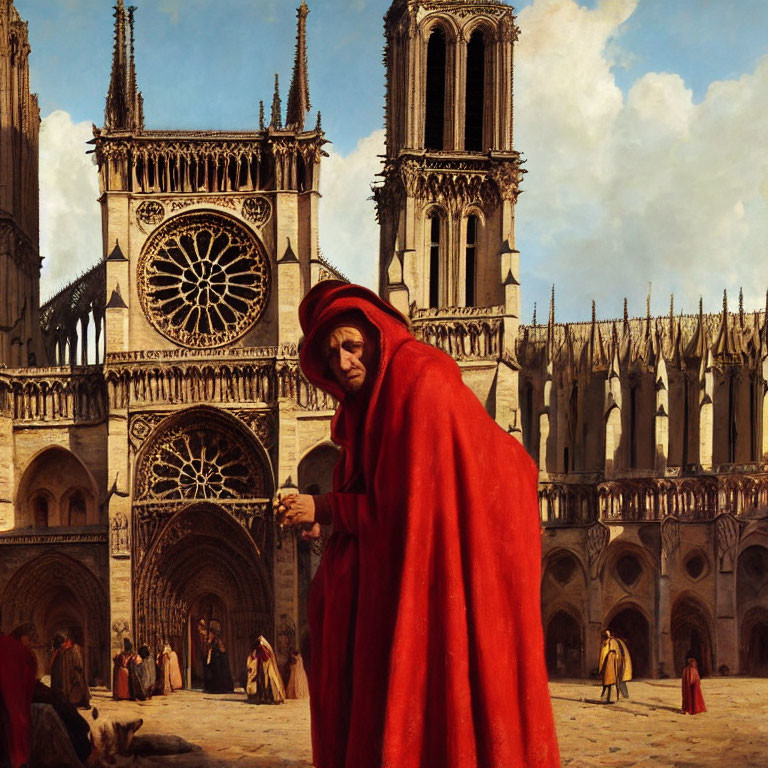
{"x":138,"y":467}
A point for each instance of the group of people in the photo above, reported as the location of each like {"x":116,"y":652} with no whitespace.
{"x":138,"y":676}
{"x":616,"y":671}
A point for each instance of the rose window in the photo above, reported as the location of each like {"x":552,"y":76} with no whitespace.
{"x":200,"y":463}
{"x":203,"y":280}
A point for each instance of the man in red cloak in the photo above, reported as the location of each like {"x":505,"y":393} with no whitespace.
{"x":427,"y":647}
{"x":693,"y":701}
{"x":18,"y":670}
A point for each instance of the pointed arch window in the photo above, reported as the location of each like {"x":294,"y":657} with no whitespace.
{"x":633,"y":426}
{"x":474,"y":98}
{"x":434,"y":124}
{"x":41,"y":512}
{"x":434,"y":259}
{"x":470,"y":265}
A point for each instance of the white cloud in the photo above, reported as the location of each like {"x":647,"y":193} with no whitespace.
{"x":70,"y":220}
{"x":349,"y":233}
{"x":626,"y":191}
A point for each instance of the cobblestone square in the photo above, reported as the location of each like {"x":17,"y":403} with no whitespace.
{"x":645,"y":730}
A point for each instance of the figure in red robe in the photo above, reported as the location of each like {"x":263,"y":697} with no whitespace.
{"x":434,"y":562}
{"x":693,"y":701}
{"x":18,"y":670}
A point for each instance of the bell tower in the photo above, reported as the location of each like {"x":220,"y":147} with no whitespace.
{"x":20,"y":339}
{"x":450,"y":182}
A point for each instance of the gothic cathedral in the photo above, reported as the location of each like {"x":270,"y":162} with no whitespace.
{"x":150,"y":411}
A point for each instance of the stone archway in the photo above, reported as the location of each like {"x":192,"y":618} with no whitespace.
{"x":56,"y":489}
{"x":564,"y":648}
{"x":754,"y":642}
{"x":204,"y":566}
{"x":56,"y":593}
{"x":629,"y":624}
{"x":752,"y":596}
{"x":691,"y":635}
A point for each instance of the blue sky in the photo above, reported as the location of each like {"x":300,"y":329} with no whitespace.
{"x":640,"y":121}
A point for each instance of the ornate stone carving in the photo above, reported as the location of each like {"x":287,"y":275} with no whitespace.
{"x":670,"y":535}
{"x":729,"y":530}
{"x":262,"y":423}
{"x":203,"y":280}
{"x":257,"y":210}
{"x":142,"y":426}
{"x":119,"y":543}
{"x":598,"y":536}
{"x":223,"y":202}
{"x":150,"y":212}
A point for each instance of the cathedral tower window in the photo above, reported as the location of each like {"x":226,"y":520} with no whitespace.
{"x":633,"y":427}
{"x":434,"y":259}
{"x":434,"y":124}
{"x":475,"y":93}
{"x":470,"y":262}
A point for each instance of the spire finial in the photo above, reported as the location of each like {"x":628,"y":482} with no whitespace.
{"x":648,"y":303}
{"x":552,"y":306}
{"x":725,"y":301}
{"x":298,"y":95}
{"x":276,"y":106}
{"x":741,"y":306}
{"x":594,"y":315}
{"x":124,"y":108}
{"x":533,"y":322}
{"x":671,"y":304}
{"x":261,"y":114}
{"x":626,"y":312}
{"x":701,"y":306}
{"x":319,"y":125}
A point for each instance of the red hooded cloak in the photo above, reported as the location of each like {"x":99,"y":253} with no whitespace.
{"x":693,"y":700}
{"x":427,"y":647}
{"x":18,"y":670}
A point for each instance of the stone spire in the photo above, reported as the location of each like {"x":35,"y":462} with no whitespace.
{"x":134,"y":95}
{"x":124,"y":108}
{"x":276,"y":120}
{"x":298,"y":95}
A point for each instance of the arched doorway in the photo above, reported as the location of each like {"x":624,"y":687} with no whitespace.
{"x":315,"y":477}
{"x":57,"y":594}
{"x":691,"y":635}
{"x":203,"y":538}
{"x":564,"y":646}
{"x":630,"y":625}
{"x":754,"y":642}
{"x":204,"y":566}
{"x":752,"y":593}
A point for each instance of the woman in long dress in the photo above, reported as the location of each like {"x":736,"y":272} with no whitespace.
{"x":297,"y":687}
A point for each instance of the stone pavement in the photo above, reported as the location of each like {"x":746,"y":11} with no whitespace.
{"x":646,"y":730}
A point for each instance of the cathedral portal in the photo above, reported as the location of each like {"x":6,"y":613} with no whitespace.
{"x":203,"y":548}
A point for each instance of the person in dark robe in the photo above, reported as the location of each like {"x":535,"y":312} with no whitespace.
{"x":217,"y":676}
{"x":146,"y":671}
{"x":693,"y":700}
{"x":434,"y":560}
{"x":18,"y":671}
{"x":67,"y":672}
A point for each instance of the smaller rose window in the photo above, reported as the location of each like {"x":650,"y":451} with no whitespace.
{"x":203,"y":280}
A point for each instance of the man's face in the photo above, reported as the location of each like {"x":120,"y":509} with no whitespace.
{"x":346,"y":355}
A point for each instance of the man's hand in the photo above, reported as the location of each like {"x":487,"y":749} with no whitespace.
{"x":299,"y":509}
